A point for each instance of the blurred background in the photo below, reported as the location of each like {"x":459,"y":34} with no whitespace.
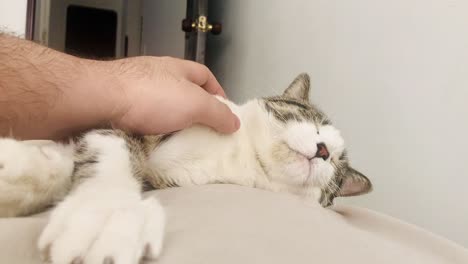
{"x":393,"y":75}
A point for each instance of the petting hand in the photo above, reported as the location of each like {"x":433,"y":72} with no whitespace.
{"x":47,"y":94}
{"x":165,"y":94}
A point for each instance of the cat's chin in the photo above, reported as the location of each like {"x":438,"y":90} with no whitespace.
{"x":321,"y":173}
{"x":310,"y":173}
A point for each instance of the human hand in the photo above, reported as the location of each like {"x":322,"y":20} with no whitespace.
{"x":163,"y":94}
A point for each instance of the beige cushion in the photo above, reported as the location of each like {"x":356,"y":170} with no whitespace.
{"x":232,"y":224}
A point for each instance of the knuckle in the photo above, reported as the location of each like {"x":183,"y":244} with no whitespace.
{"x":205,"y":68}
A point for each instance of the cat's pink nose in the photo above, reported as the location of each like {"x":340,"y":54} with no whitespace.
{"x":322,"y":151}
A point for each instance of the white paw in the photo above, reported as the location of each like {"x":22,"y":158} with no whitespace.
{"x":32,"y":175}
{"x":16,"y":159}
{"x":114,"y":229}
{"x":39,"y":159}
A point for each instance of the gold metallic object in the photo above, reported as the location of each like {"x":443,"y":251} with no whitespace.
{"x":201,"y":25}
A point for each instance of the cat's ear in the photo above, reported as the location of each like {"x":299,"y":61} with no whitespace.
{"x":354,"y":183}
{"x":299,"y":88}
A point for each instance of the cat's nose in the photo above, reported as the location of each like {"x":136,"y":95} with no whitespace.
{"x":322,"y":151}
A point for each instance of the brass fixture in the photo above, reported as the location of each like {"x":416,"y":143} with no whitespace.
{"x":201,"y":25}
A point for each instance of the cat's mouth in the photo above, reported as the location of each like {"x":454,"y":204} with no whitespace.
{"x":314,"y":164}
{"x":321,"y":153}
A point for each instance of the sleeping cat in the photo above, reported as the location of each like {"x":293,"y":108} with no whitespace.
{"x":285,"y":144}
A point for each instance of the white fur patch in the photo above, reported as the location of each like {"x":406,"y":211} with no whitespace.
{"x":33,"y":175}
{"x":332,"y":137}
{"x":302,"y":137}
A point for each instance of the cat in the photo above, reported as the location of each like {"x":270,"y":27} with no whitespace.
{"x":285,"y":144}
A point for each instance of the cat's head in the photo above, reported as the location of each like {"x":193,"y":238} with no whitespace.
{"x":306,"y":153}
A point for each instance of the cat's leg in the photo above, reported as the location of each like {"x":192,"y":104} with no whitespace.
{"x":104,"y":219}
{"x":33,"y":175}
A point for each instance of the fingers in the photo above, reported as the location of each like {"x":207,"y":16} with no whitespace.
{"x":209,"y":111}
{"x":212,"y":85}
{"x":198,"y":74}
{"x":218,"y":116}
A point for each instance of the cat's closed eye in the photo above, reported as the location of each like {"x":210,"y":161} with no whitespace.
{"x":325,"y":122}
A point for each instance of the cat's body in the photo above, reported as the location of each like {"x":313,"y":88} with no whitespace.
{"x":284,"y":145}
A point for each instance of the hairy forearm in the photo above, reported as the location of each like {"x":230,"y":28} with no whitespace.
{"x":48,"y":94}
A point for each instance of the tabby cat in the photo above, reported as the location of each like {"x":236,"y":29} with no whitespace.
{"x":285,"y":144}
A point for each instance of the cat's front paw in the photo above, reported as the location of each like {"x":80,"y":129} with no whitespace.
{"x":103,"y":231}
{"x":16,"y":159}
{"x":33,"y":175}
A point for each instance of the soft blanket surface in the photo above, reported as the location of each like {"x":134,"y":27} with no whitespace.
{"x":232,"y":224}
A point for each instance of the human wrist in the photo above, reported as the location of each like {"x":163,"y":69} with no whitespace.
{"x":102,"y":79}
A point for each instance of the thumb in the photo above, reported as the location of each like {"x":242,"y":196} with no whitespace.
{"x":216,"y":114}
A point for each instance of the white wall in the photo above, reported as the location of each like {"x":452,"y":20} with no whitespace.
{"x":13,"y":16}
{"x":393,"y":75}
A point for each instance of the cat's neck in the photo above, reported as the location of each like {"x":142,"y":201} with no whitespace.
{"x":247,"y":144}
{"x":199,"y":155}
